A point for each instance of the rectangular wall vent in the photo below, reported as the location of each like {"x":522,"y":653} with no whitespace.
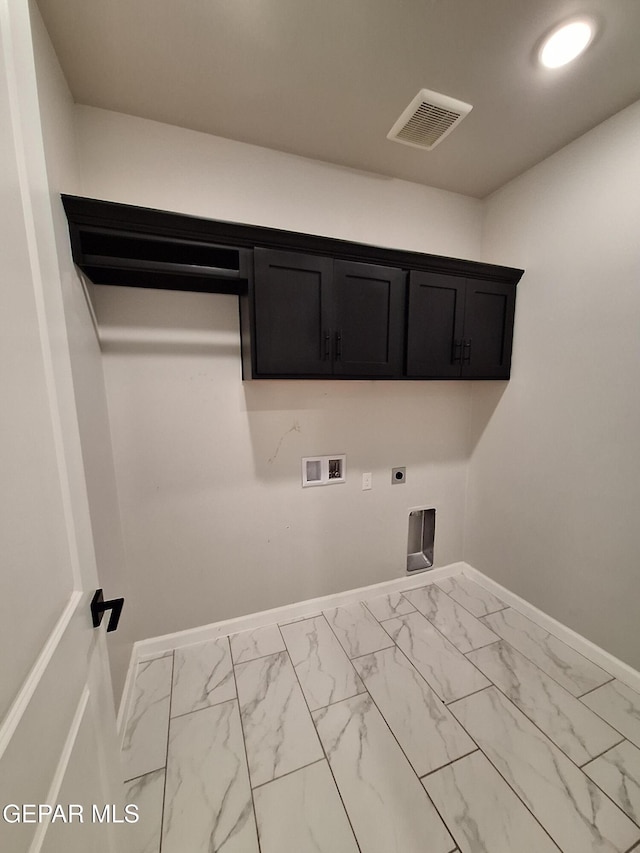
{"x":428,"y":119}
{"x":420,"y":541}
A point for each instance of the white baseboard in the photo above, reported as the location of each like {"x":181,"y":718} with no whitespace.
{"x":157,"y":647}
{"x":127,"y":693}
{"x":613,"y":665}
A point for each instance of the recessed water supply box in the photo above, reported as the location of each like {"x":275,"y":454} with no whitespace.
{"x":324,"y":470}
{"x":422,"y":531}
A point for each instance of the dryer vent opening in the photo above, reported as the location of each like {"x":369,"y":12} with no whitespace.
{"x":422,"y":530}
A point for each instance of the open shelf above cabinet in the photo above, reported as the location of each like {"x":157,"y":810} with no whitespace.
{"x":149,"y":251}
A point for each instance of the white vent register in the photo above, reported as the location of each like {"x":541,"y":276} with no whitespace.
{"x":428,"y":119}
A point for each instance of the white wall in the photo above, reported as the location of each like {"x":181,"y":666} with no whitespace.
{"x":554,"y":480}
{"x":143,"y":162}
{"x":58,"y":130}
{"x":215,"y":523}
{"x":208,"y":468}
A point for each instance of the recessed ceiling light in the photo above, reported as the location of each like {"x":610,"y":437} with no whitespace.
{"x":566,"y":42}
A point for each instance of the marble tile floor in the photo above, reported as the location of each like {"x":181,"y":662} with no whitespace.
{"x":437,"y":720}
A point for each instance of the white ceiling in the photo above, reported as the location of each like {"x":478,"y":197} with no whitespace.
{"x":327,"y":78}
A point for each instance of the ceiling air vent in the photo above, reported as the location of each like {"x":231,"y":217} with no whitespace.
{"x":428,"y":119}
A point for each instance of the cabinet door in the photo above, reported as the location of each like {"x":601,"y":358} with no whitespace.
{"x":368,"y":319}
{"x":291,"y":314}
{"x":434,"y":334}
{"x":488,"y":330}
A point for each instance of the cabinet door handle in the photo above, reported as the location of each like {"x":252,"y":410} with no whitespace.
{"x":327,"y":346}
{"x":466,"y":352}
{"x":456,"y":352}
{"x":339,"y":345}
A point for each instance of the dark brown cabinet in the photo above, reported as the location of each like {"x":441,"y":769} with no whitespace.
{"x":290,"y":314}
{"x":459,"y":327}
{"x":310,"y":306}
{"x":313,"y":316}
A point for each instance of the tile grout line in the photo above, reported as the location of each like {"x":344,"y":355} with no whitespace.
{"x":298,"y":619}
{"x":166,"y":760}
{"x":405,"y":655}
{"x":506,"y":781}
{"x":373,"y":651}
{"x":315,"y":728}
{"x":433,"y":583}
{"x":259,"y":657}
{"x":346,"y":654}
{"x":347,"y":658}
{"x":395,"y":615}
{"x":491,"y":684}
{"x":288,"y":773}
{"x":472,"y":664}
{"x":453,"y":761}
{"x":533,"y":722}
{"x":488,"y":613}
{"x":542,"y":645}
{"x":400,"y":747}
{"x":477,"y":649}
{"x":404,"y":592}
{"x":562,"y":642}
{"x":244,"y":749}
{"x":473,"y":616}
{"x":533,"y":663}
{"x":435,"y":627}
{"x":475,"y":692}
{"x":344,"y":698}
{"x":564,"y":687}
{"x":459,"y":652}
{"x":394,"y":645}
{"x":544,"y":735}
{"x":635,"y":847}
{"x":158,"y":656}
{"x":600,"y":754}
{"x":355,"y":657}
{"x":593,"y":689}
{"x":579,"y":767}
{"x":603,"y":718}
{"x":467,"y":695}
{"x":204,"y":708}
{"x":633,"y":820}
{"x":142,"y":775}
{"x":398,"y":742}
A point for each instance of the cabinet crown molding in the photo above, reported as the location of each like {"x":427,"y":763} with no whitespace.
{"x":115,"y":220}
